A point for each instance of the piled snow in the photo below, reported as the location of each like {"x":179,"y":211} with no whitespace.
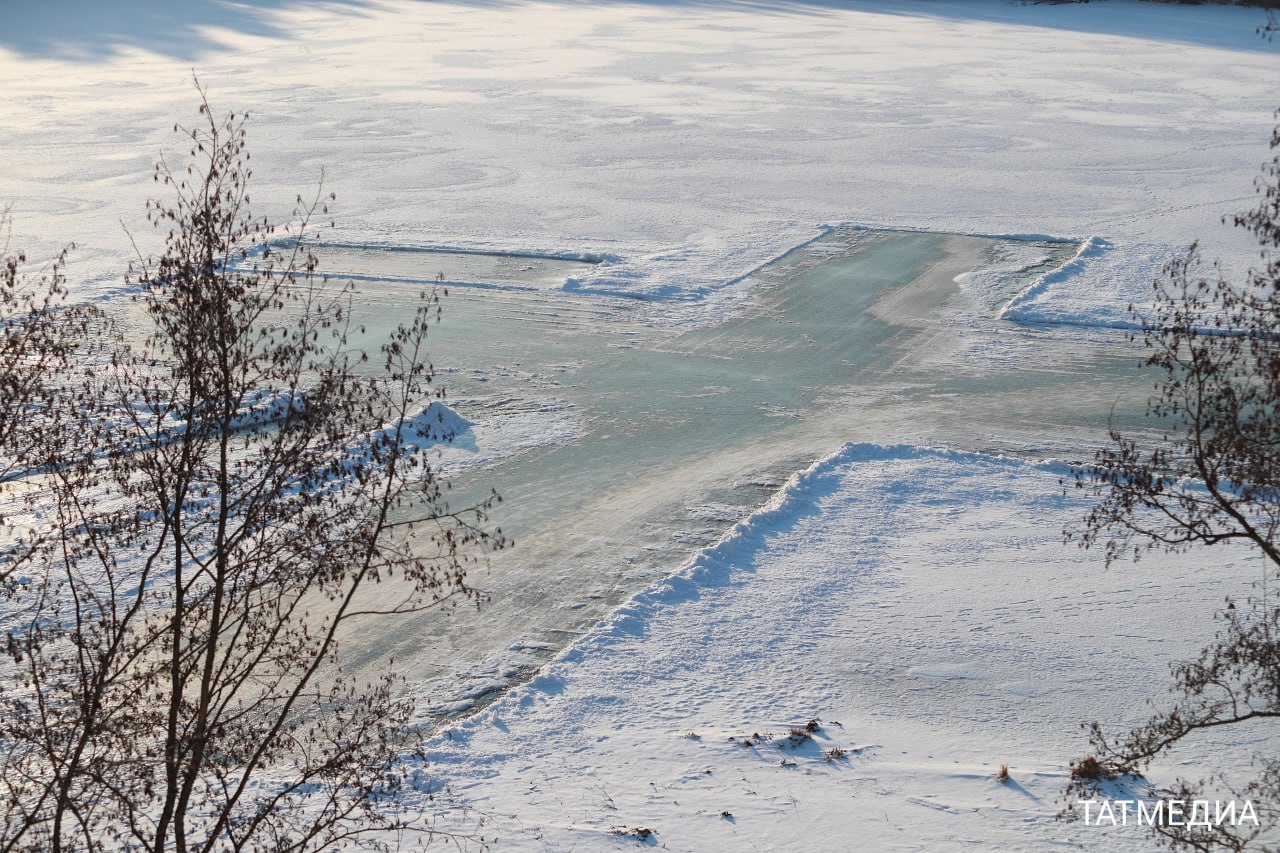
{"x":458,"y":444}
{"x":1096,"y":288}
{"x":918,"y":604}
{"x":435,"y":424}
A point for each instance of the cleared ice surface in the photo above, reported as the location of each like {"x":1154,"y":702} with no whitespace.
{"x":424,"y":265}
{"x":859,"y":335}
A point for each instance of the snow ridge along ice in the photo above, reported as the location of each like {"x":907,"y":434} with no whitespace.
{"x":1104,"y":286}
{"x":712,"y":566}
{"x":916,"y":605}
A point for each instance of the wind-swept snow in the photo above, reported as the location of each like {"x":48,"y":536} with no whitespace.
{"x":691,"y":141}
{"x":1097,"y":288}
{"x":919,"y":606}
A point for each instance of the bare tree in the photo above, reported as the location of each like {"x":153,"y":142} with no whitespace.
{"x":1213,"y":476}
{"x":37,"y":334}
{"x":224,"y":490}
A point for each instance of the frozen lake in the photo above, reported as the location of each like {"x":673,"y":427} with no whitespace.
{"x":624,"y":151}
{"x":681,"y":426}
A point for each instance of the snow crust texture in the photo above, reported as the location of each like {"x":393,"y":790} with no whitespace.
{"x":916,"y":605}
{"x":687,"y":143}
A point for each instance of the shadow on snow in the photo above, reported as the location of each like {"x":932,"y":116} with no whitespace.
{"x":80,"y":30}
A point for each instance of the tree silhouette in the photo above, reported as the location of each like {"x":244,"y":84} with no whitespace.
{"x":209,"y":503}
{"x":1213,"y":476}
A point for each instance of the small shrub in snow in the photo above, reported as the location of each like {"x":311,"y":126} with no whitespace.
{"x":1205,"y":475}
{"x":797,"y":738}
{"x":171,"y":677}
{"x":755,"y":739}
{"x":1090,"y":769}
{"x":639,"y":833}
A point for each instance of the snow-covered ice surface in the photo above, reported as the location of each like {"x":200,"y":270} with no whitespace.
{"x":1060,"y":296}
{"x":918,"y":604}
{"x":693,"y":141}
{"x":920,"y":598}
{"x":458,"y":444}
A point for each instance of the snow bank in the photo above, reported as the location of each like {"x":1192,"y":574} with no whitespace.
{"x":1100,"y":287}
{"x":435,"y":424}
{"x":917,"y":605}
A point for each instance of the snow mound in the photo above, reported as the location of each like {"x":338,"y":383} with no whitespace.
{"x":436,"y":424}
{"x":1100,"y":287}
